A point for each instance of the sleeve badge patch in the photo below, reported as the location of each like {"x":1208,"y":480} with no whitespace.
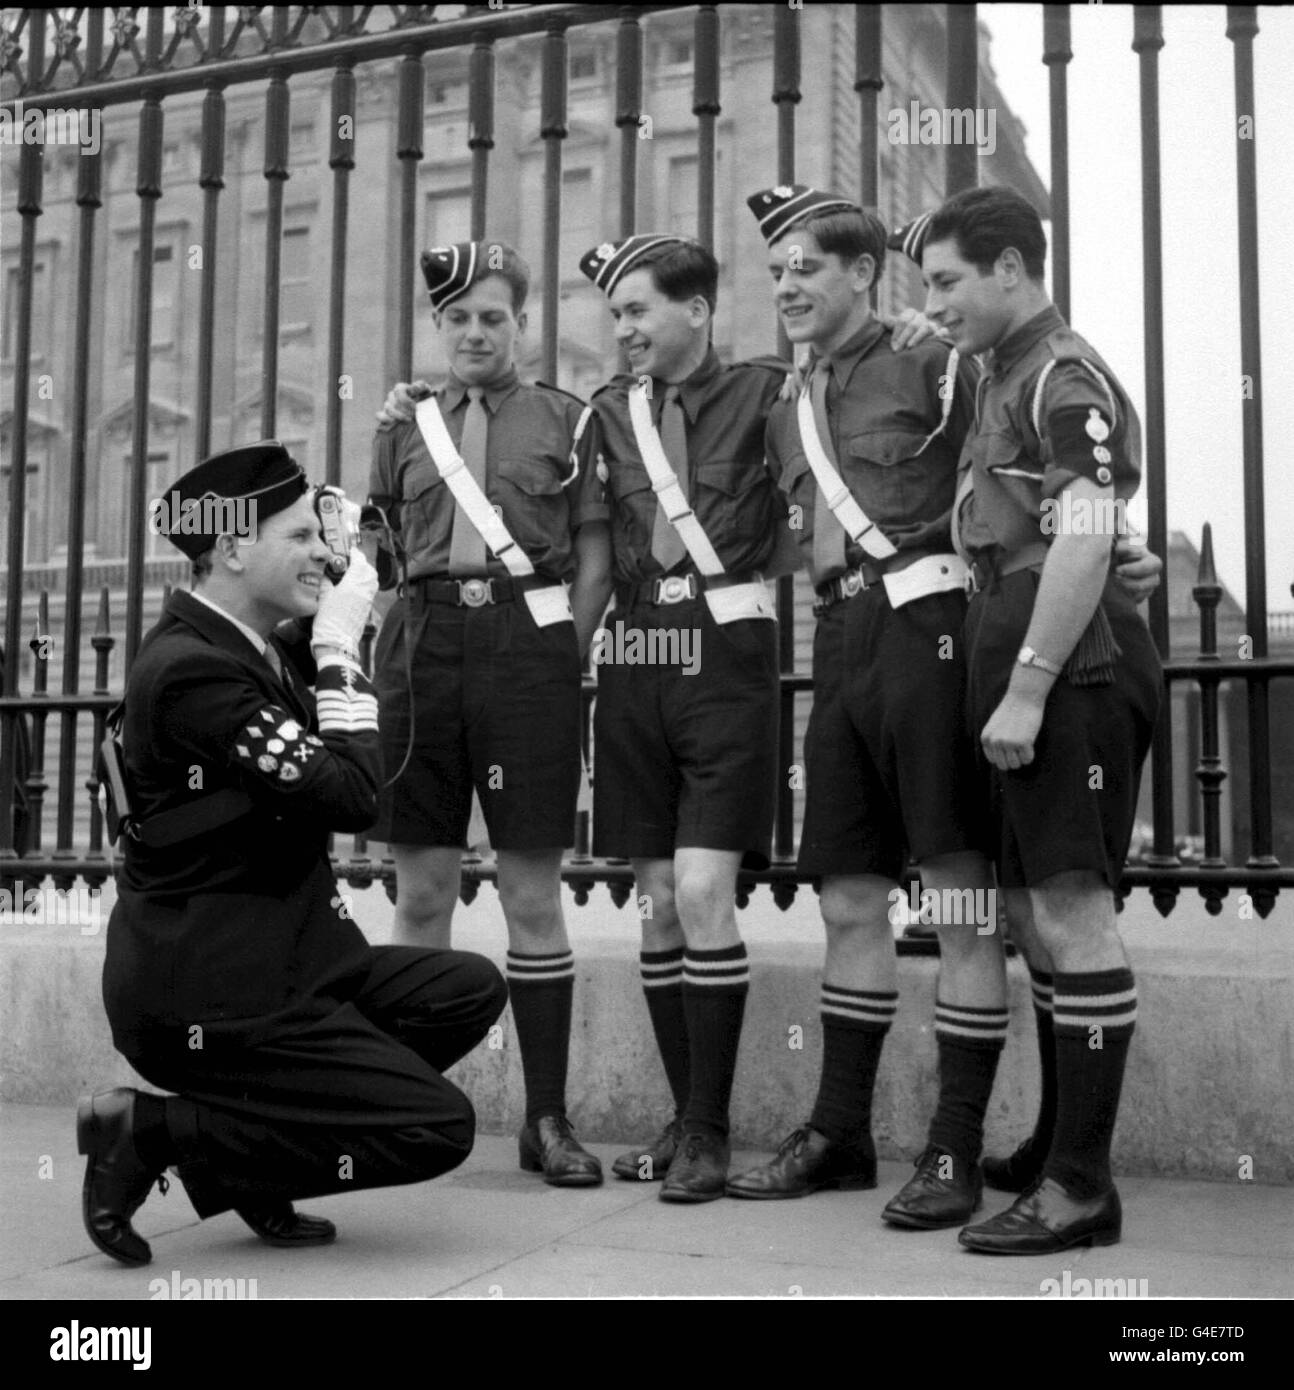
{"x":289,"y":772}
{"x":266,"y":762}
{"x":1096,"y":427}
{"x":275,"y":745}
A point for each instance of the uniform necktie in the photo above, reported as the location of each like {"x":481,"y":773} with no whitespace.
{"x":828,"y":533}
{"x":666,"y":547}
{"x":467,"y":549}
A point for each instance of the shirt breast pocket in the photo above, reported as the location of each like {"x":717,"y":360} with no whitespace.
{"x":905,"y":487}
{"x":424,"y":508}
{"x":533,"y":500}
{"x":734,"y":497}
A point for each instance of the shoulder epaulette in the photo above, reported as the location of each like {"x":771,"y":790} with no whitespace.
{"x":1064,"y":359}
{"x":621,"y":381}
{"x":768,"y":360}
{"x":561,"y":391}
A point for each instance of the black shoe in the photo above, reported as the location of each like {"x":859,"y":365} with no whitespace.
{"x":1046,"y":1220}
{"x":931,"y":1200}
{"x":550,"y":1147}
{"x":279,"y":1223}
{"x":699,"y":1172}
{"x":806,"y":1162}
{"x":1017,"y":1173}
{"x":651,"y":1163}
{"x":116,"y":1179}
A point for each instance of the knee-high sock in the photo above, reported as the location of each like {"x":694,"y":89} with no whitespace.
{"x":542,"y":989}
{"x":970,"y":1044}
{"x":1043,"y":986}
{"x":854,"y":1025}
{"x":1096,"y":1013}
{"x":662,"y":977}
{"x":715,"y":985}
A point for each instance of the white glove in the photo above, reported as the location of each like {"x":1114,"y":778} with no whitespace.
{"x":344,"y":608}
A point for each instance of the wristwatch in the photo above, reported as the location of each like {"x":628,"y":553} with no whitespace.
{"x":1029,"y":657}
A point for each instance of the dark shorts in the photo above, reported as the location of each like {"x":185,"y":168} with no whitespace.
{"x":496,"y":706}
{"x":889,"y":775}
{"x":1073,"y":807}
{"x":687,"y":761}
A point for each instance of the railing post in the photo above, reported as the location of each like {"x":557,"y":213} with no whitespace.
{"x":408,"y":151}
{"x":1242,"y":26}
{"x":552,"y":130}
{"x":341,"y":160}
{"x":1057,"y":54}
{"x":1209,"y":771}
{"x":706,"y":108}
{"x":480,"y":125}
{"x":1148,"y":39}
{"x":629,"y":98}
{"x":961,"y":161}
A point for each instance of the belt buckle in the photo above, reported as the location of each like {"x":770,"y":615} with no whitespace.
{"x":474,"y":593}
{"x":674,"y":588}
{"x":852,"y":583}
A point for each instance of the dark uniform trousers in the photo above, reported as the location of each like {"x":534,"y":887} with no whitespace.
{"x":352,"y":1099}
{"x":304,"y":1060}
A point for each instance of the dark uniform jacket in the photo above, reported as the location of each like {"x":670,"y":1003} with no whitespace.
{"x":884,"y":408}
{"x":539,"y":478}
{"x":732,"y":492}
{"x":240,"y":929}
{"x":1029,"y":445}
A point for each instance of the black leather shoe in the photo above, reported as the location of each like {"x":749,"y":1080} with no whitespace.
{"x":1017,"y":1173}
{"x":550,"y":1147}
{"x":116,"y":1179}
{"x":1046,"y":1220}
{"x":929,"y":1200}
{"x":279,"y":1223}
{"x":806,"y":1162}
{"x":650,"y":1164}
{"x":699,"y":1172}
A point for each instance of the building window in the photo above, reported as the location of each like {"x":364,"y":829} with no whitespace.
{"x":584,"y":66}
{"x":40,"y":310}
{"x":449,"y":217}
{"x":682,"y":195}
{"x":157,"y":478}
{"x":676,"y":53}
{"x":297,"y":292}
{"x":579,"y":224}
{"x":165,"y":301}
{"x":301,"y":147}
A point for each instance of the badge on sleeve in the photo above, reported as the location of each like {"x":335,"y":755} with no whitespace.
{"x":1096,"y":427}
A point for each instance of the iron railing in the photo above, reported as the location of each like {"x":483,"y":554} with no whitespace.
{"x":84,"y":58}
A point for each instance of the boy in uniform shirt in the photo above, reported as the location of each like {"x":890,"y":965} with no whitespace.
{"x":1062,"y":676}
{"x":686,"y":753}
{"x":495,"y":650}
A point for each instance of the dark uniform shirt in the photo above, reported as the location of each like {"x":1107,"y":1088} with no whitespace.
{"x":882,"y":407}
{"x":731,"y":490}
{"x":545,"y":489}
{"x":1019,"y":462}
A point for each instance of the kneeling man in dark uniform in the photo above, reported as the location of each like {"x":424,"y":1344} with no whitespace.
{"x":303,"y":1060}
{"x":1063,"y":681}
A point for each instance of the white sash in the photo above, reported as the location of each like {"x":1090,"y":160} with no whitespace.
{"x":842,"y":502}
{"x":665,"y":485}
{"x":548,"y":605}
{"x":729,"y":604}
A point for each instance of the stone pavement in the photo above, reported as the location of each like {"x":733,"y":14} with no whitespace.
{"x":491,"y":1231}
